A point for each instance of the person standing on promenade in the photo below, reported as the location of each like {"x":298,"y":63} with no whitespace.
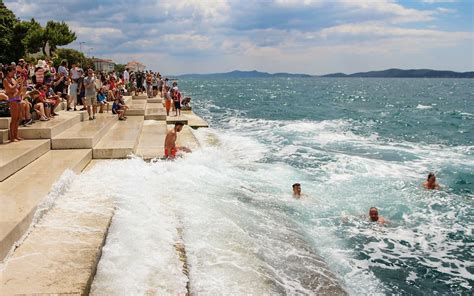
{"x":126,"y":79}
{"x":170,"y":141}
{"x":90,"y":99}
{"x":168,"y":100}
{"x":430,"y":182}
{"x":139,"y":77}
{"x":13,"y":91}
{"x":176,"y":95}
{"x":73,"y":89}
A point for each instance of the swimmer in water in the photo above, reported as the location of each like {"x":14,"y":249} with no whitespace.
{"x":297,"y":190}
{"x":431,"y":182}
{"x":374,"y":216}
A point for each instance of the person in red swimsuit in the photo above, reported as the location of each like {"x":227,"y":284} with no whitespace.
{"x":170,"y":141}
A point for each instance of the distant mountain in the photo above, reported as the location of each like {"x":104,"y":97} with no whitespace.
{"x":242,"y":74}
{"x":390,"y":73}
{"x":399,"y":73}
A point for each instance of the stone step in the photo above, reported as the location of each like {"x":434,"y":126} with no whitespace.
{"x":155,"y":100}
{"x":85,"y":134}
{"x":121,"y":140}
{"x":4,"y":122}
{"x":50,"y":129}
{"x":3,"y":136}
{"x":152,"y":139}
{"x":194,"y":120}
{"x":16,"y":155}
{"x":174,"y":119}
{"x":127,"y":99}
{"x":61,"y":253}
{"x":140,"y":97}
{"x":137,"y":108}
{"x":21,"y":193}
{"x":155,"y":111}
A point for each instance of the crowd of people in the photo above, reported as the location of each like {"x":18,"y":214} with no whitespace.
{"x":31,"y":92}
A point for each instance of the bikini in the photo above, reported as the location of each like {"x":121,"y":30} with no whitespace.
{"x":16,"y":99}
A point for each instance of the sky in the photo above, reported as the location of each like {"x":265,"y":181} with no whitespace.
{"x":296,"y":36}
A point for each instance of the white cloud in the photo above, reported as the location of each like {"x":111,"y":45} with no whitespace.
{"x":438,"y":1}
{"x":279,"y":35}
{"x":446,"y":10}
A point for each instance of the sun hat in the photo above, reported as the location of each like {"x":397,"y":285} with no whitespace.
{"x":41,"y":64}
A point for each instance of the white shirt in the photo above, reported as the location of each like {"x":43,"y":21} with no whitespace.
{"x":126,"y":76}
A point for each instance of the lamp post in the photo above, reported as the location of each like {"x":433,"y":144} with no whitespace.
{"x":80,"y":49}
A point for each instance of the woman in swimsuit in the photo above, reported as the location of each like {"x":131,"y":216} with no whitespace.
{"x":13,"y":91}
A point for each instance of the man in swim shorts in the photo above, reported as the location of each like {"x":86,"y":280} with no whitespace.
{"x":431,"y":182}
{"x":170,"y":141}
{"x":374,"y":216}
{"x":296,"y":190}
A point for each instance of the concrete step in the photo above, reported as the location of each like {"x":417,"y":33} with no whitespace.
{"x":174,"y":119}
{"x":155,"y":100}
{"x":194,"y":120}
{"x":137,"y":108}
{"x":121,"y":140}
{"x":140,"y":97}
{"x":152,"y":139}
{"x":21,"y":193}
{"x":16,"y":155}
{"x":50,"y":129}
{"x":127,"y":100}
{"x":155,"y":111}
{"x":61,"y":253}
{"x":4,"y":122}
{"x":85,"y":134}
{"x":3,"y":136}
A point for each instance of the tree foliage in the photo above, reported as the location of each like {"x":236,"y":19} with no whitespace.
{"x":57,"y":34}
{"x":71,"y":55}
{"x":33,"y":41}
{"x":7,"y":24}
{"x":119,"y":68}
{"x":19,"y":38}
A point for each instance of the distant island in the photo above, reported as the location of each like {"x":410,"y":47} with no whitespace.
{"x":412,"y":73}
{"x":390,"y":73}
{"x":243,"y":74}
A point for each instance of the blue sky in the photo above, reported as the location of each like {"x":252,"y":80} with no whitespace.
{"x":299,"y":36}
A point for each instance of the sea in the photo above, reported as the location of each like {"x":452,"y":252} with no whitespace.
{"x":351,"y":143}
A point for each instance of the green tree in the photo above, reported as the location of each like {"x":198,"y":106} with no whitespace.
{"x":56,"y":34}
{"x":7,"y":35}
{"x":119,"y":68}
{"x":72,"y":56}
{"x":33,"y":40}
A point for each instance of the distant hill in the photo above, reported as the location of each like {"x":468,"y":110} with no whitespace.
{"x":390,"y":73}
{"x":242,"y":74}
{"x":399,"y":73}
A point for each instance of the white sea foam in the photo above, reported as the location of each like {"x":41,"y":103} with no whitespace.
{"x":420,"y":106}
{"x":242,"y":229}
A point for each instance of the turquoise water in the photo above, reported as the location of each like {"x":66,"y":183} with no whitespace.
{"x":352,"y":144}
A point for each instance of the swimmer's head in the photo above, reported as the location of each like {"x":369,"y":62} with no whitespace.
{"x":373,"y":214}
{"x":431,"y":177}
{"x":178,"y":126}
{"x":296,"y":189}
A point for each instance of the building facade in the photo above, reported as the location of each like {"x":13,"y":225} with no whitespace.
{"x":103,"y":65}
{"x":135,"y":66}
